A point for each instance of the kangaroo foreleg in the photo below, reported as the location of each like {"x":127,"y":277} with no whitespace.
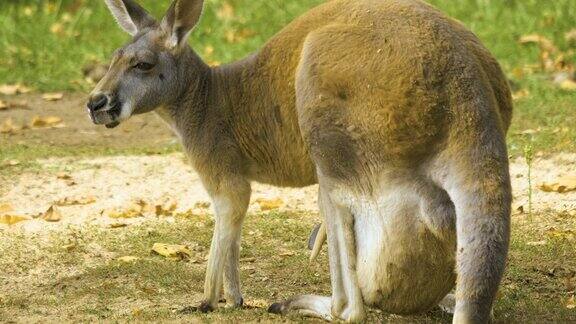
{"x":230,"y":205}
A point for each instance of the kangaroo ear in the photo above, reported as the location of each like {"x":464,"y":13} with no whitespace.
{"x":130,"y":15}
{"x":180,"y":19}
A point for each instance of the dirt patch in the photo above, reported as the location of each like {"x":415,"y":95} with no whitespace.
{"x":119,"y":181}
{"x":140,"y":131}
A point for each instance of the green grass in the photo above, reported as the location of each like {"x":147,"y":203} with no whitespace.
{"x":46,"y":60}
{"x":44,"y":280}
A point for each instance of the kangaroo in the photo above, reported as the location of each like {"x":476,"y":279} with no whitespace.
{"x":396,"y":111}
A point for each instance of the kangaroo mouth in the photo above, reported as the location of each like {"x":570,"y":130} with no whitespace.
{"x":108,"y":117}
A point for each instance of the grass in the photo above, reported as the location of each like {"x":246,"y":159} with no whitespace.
{"x":43,"y":279}
{"x":44,"y":44}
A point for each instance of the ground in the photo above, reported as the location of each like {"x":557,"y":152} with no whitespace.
{"x":118,"y":192}
{"x":73,"y":268}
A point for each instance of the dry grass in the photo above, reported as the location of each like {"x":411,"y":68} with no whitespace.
{"x":74,"y":274}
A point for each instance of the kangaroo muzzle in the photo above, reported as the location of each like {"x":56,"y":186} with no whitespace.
{"x":104,"y":110}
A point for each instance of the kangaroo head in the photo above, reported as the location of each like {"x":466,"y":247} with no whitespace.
{"x":154,"y":68}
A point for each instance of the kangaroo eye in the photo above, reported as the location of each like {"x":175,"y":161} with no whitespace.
{"x":143,"y":66}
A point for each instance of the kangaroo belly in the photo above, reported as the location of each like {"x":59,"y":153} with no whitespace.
{"x":405,"y":261}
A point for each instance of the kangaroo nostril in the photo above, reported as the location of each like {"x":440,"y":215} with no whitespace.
{"x":98,"y":102}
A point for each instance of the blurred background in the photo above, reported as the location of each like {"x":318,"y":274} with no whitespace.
{"x":56,"y":46}
{"x":81,"y":206}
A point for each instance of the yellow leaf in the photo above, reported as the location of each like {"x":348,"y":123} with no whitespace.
{"x":269,"y":204}
{"x":52,"y":214}
{"x":5,"y":208}
{"x":43,"y":122}
{"x":172,"y":251}
{"x":226,"y":11}
{"x":571,"y":304}
{"x":63,"y":176}
{"x":520,"y":94}
{"x":11,"y":163}
{"x":13,"y":89}
{"x":128,"y":258}
{"x":208,"y":50}
{"x":568,"y":85}
{"x":117,"y":225}
{"x":560,"y":234}
{"x":12,"y":219}
{"x":544,"y":43}
{"x":202,"y":205}
{"x":28,"y":11}
{"x":258,"y":303}
{"x":53,"y":96}
{"x":68,"y":201}
{"x":165,"y":208}
{"x":4,"y":105}
{"x":130,"y":212}
{"x":57,"y":28}
{"x":536,"y":243}
{"x":136,"y":312}
{"x":69,"y":247}
{"x":8,"y":127}
{"x":562,"y":184}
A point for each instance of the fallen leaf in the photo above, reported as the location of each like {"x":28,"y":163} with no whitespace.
{"x":52,"y":214}
{"x":226,"y":11}
{"x":208,"y":50}
{"x":536,"y":243}
{"x":5,"y":105}
{"x":202,"y":205}
{"x":8,"y":127}
{"x":63,"y":176}
{"x":57,"y":28}
{"x":13,"y":89}
{"x":48,"y":121}
{"x":9,"y":219}
{"x":571,"y":304}
{"x":172,"y":251}
{"x":248,"y":268}
{"x":250,"y":260}
{"x":561,"y":185}
{"x":258,"y":303}
{"x":5,"y":208}
{"x":53,"y":96}
{"x":117,"y":225}
{"x":568,"y":85}
{"x":287,"y":253}
{"x":234,"y":35}
{"x":560,"y":234}
{"x":528,"y":132}
{"x":540,"y":40}
{"x":131,"y":212}
{"x":128,"y":258}
{"x":520,"y":94}
{"x":165,"y":208}
{"x":69,"y":201}
{"x":69,"y":247}
{"x":269,"y":204}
